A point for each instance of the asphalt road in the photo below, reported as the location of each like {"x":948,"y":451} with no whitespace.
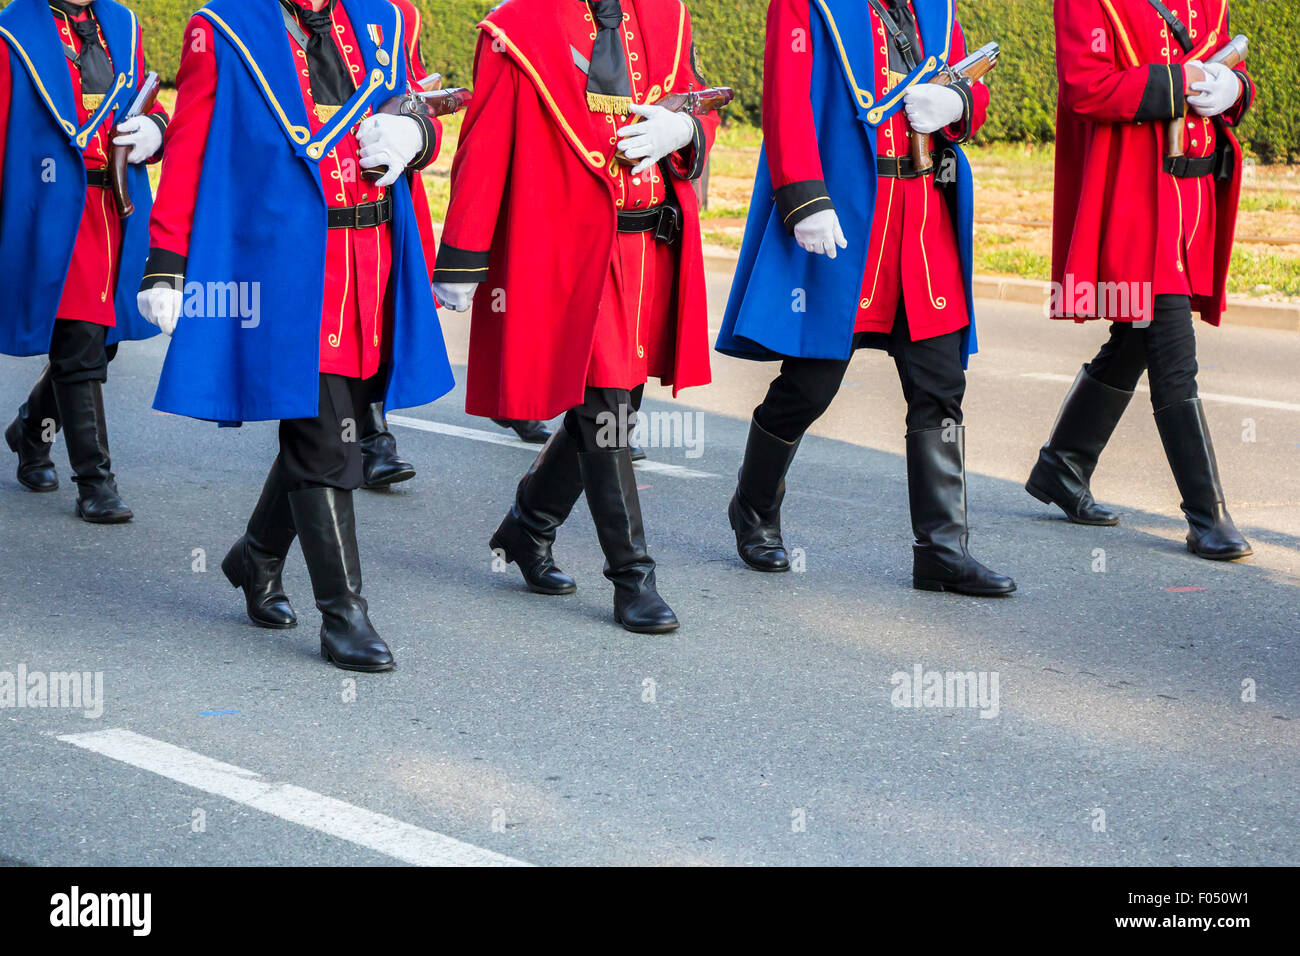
{"x":765,"y":731}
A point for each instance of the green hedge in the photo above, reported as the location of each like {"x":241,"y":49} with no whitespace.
{"x":729,"y":34}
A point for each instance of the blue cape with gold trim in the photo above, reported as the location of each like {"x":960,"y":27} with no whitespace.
{"x":260,"y":223}
{"x":785,"y":301}
{"x":44,"y":183}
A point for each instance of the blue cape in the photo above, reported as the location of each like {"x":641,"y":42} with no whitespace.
{"x":260,"y":223}
{"x":775,"y":279}
{"x":44,"y":184}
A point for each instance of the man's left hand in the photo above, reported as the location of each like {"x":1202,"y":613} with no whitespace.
{"x":931,"y":106}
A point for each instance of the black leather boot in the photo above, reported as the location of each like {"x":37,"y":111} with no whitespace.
{"x":755,"y":509}
{"x":610,"y":484}
{"x":1186,"y":437}
{"x":381,"y":464}
{"x":25,"y":436}
{"x":327,"y":530}
{"x":543,"y":501}
{"x":936,"y":486}
{"x":256,"y":562}
{"x":535,"y":433}
{"x":1086,"y":421}
{"x":81,"y":409}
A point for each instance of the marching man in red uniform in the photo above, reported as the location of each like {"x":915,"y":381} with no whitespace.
{"x":283,"y":182}
{"x":67,"y":299}
{"x":1143,"y":238}
{"x":586,"y":275}
{"x":850,"y":245}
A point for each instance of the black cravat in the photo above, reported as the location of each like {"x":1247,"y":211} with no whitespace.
{"x":905,"y":24}
{"x":93,"y":62}
{"x":608,"y":88}
{"x":331,"y":84}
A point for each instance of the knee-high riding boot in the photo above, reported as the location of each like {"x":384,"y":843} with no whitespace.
{"x":1087,"y":419}
{"x":256,"y":561}
{"x":327,"y":530}
{"x":81,"y":409}
{"x":26,"y":436}
{"x":380,"y":461}
{"x":544,"y":499}
{"x":610,"y":484}
{"x":936,"y":486}
{"x":1186,"y":437}
{"x":755,"y":508}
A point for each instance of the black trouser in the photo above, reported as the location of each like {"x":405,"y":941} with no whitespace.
{"x":930,"y":372}
{"x":78,"y":352}
{"x":1165,"y":349}
{"x":598,"y":424}
{"x":325,"y":451}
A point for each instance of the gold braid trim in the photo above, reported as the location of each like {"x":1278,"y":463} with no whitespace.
{"x":604,"y":103}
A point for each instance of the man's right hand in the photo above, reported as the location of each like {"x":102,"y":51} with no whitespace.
{"x":457,"y":296}
{"x":161,"y":307}
{"x":820,"y":234}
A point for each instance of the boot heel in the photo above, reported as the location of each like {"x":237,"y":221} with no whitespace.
{"x":1041,"y":496}
{"x":926,"y":584}
{"x":495,"y":545}
{"x":233,"y":569}
{"x":324,"y":652}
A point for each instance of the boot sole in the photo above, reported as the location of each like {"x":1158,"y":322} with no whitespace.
{"x":367,"y":669}
{"x":111,"y":519}
{"x":1047,"y":499}
{"x":927,"y":584}
{"x":1220,"y":557}
{"x":549,"y":592}
{"x":394,"y":479}
{"x":655,"y":629}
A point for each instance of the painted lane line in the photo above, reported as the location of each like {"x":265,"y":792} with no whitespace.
{"x":374,"y":831}
{"x":491,"y":438}
{"x":1208,"y":396}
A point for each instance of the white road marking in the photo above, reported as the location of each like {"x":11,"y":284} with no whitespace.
{"x":1208,"y":396}
{"x":493,"y":438}
{"x":402,"y":841}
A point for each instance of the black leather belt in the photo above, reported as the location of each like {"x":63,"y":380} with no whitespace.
{"x":368,"y":215}
{"x":97,"y":179}
{"x":664,"y":221}
{"x":1188,"y":167}
{"x":899,"y":167}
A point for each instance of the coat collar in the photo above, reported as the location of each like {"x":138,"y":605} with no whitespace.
{"x":849,"y":24}
{"x":255,"y":29}
{"x":29,"y":28}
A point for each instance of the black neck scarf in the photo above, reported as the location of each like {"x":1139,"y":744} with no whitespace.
{"x":331,"y":83}
{"x":93,"y":62}
{"x":608,"y":88}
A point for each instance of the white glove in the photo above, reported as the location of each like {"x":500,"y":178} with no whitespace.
{"x":161,"y":306}
{"x":391,"y":141}
{"x":661,"y":133}
{"x":820,"y":233}
{"x":1220,"y":89}
{"x":457,"y":296}
{"x":930,"y":107}
{"x":142,"y":135}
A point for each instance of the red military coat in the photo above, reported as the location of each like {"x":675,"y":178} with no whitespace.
{"x":533,"y":211}
{"x":1120,"y":221}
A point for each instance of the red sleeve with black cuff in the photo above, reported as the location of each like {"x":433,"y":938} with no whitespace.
{"x":789,"y":133}
{"x":480,"y":170}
